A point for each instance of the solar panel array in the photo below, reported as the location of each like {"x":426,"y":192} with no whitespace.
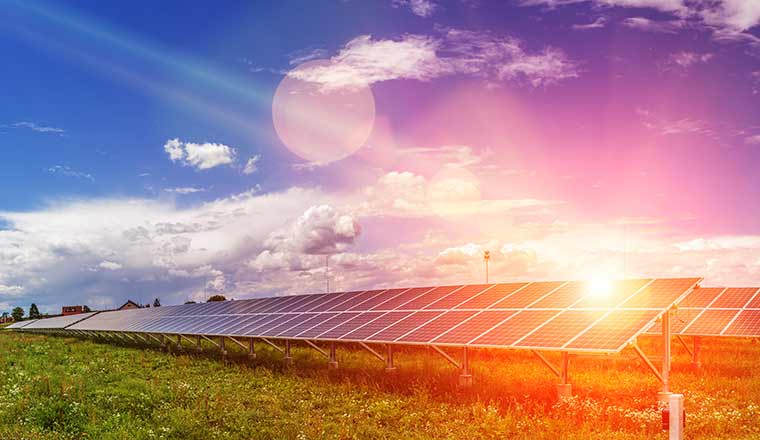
{"x":58,"y":322}
{"x":20,"y":324}
{"x":717,"y":311}
{"x":540,"y":315}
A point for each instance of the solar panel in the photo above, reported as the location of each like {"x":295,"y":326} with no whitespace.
{"x":717,"y":311}
{"x":437,"y":326}
{"x":473,"y":327}
{"x":58,"y":322}
{"x":20,"y":324}
{"x":491,"y":296}
{"x":615,"y":330}
{"x":539,"y":315}
{"x":528,"y":295}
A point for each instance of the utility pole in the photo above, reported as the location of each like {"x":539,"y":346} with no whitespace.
{"x":486,"y":257}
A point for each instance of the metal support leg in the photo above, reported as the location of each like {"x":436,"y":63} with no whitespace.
{"x":288,"y":358}
{"x":251,"y":353}
{"x":695,"y":362}
{"x":179,"y":342}
{"x":333,"y":363}
{"x":564,"y":388}
{"x":465,"y":379}
{"x":222,"y":347}
{"x":664,"y":395}
{"x":389,"y":368}
{"x":198,"y":347}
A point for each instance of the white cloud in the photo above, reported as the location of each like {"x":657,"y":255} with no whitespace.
{"x":10,"y":291}
{"x":661,"y":5}
{"x":252,"y":165}
{"x":422,"y":8}
{"x":39,"y":128}
{"x":365,"y":60}
{"x":185,"y":190}
{"x":599,"y":23}
{"x":687,"y":59}
{"x":728,"y":20}
{"x":660,"y":26}
{"x":67,"y":171}
{"x":162,"y":250}
{"x":737,"y":15}
{"x":110,"y":265}
{"x":753,"y":140}
{"x":450,"y":194}
{"x":200,"y":156}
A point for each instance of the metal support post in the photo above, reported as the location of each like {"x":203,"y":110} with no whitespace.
{"x":179,"y":342}
{"x":251,"y":353}
{"x":564,"y":388}
{"x":389,"y":368}
{"x":465,"y":379}
{"x":222,"y":347}
{"x":288,"y":357}
{"x":663,"y":395}
{"x":333,"y":363}
{"x":198,"y":347}
{"x":695,"y":362}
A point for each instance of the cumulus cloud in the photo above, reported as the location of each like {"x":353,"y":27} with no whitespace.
{"x":421,"y":8}
{"x":109,"y":265}
{"x":141,"y":246}
{"x":365,"y":60}
{"x":451,"y":193}
{"x":199,"y":156}
{"x":10,"y":291}
{"x":67,"y":171}
{"x":252,"y":165}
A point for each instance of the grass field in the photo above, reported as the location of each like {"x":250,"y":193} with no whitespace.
{"x":63,"y":388}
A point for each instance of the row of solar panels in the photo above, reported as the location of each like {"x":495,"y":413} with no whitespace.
{"x":540,"y":315}
{"x":718,"y":311}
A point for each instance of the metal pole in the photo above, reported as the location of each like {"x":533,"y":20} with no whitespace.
{"x":198,"y":343}
{"x":251,"y":353}
{"x":389,"y":359}
{"x":663,"y":395}
{"x":333,"y":358}
{"x":222,"y":346}
{"x":288,"y":358}
{"x":465,"y":379}
{"x":697,"y":341}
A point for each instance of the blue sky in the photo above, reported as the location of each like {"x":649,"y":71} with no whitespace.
{"x":553,"y":132}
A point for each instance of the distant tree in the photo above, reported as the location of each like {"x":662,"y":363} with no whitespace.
{"x":156,"y":303}
{"x":86,"y":309}
{"x":217,"y":298}
{"x":18,"y":314}
{"x":190,"y":302}
{"x":34,"y":312}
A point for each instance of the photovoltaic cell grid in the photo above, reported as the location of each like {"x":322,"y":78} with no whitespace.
{"x":717,"y":311}
{"x":58,"y":322}
{"x":540,"y":315}
{"x":20,"y":324}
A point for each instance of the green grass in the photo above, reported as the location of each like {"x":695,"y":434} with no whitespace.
{"x":64,"y":388}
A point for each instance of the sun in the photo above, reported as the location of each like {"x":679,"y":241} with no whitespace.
{"x":600,"y":287}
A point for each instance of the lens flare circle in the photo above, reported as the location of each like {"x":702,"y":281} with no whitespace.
{"x":320,"y":122}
